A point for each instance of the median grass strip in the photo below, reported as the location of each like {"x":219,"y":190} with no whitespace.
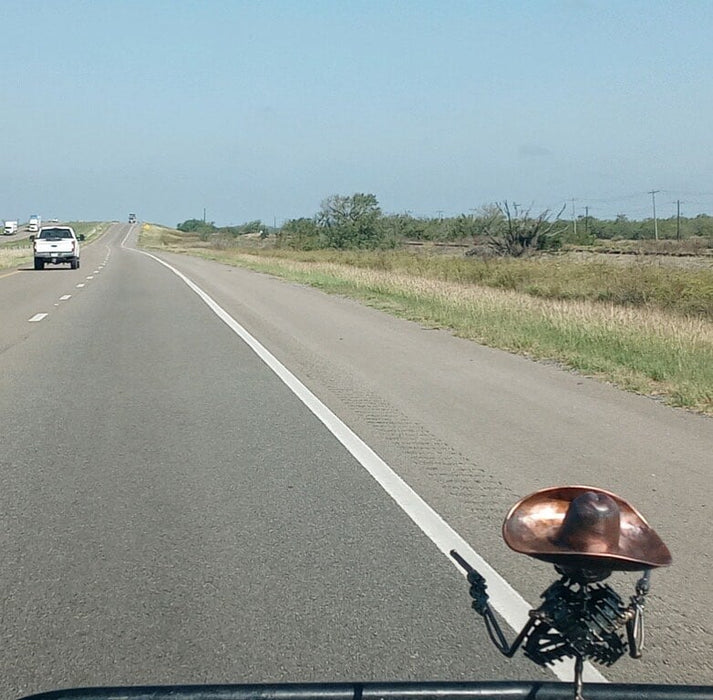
{"x":640,"y":348}
{"x":14,"y":256}
{"x":90,"y":229}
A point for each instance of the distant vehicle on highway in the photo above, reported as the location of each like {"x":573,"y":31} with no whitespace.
{"x":9,"y":228}
{"x":132,"y":218}
{"x":33,"y":225}
{"x":56,"y":244}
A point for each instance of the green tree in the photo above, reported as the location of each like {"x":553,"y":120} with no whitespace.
{"x":350,"y":222}
{"x":463,"y":227}
{"x":204,"y":229}
{"x":403,"y":227}
{"x":192,"y":225}
{"x":299,"y":234}
{"x":701,"y":225}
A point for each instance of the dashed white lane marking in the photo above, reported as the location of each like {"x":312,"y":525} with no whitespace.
{"x":91,"y":277}
{"x":37,"y":317}
{"x":64,"y":297}
{"x":79,"y":286}
{"x":503,"y":597}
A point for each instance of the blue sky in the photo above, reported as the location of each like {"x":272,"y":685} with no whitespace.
{"x":262,"y":109}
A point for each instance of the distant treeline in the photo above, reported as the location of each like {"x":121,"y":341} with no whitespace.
{"x":356,"y":221}
{"x":206,"y":229}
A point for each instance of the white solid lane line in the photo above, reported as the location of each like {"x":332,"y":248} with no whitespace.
{"x":37,"y":317}
{"x":503,"y":597}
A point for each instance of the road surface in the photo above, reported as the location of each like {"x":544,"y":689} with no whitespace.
{"x":18,"y":235}
{"x":172,"y":511}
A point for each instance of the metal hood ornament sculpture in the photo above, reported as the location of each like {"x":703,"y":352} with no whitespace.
{"x":587,"y":533}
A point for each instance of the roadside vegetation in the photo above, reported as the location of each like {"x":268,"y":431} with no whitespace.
{"x":634,"y":320}
{"x":90,"y":229}
{"x":357,"y":221}
{"x":17,"y":253}
{"x":14,"y":254}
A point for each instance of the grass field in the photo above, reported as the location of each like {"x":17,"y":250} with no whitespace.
{"x":14,"y":256}
{"x":644,"y":326}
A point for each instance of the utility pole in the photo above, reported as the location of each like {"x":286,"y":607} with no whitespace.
{"x":203,"y":214}
{"x":574,"y":219}
{"x":678,"y":219}
{"x":656,"y":224}
{"x":586,"y":221}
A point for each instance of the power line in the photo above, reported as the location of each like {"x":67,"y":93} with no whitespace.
{"x":607,"y":200}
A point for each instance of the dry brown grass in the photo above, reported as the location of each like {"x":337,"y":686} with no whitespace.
{"x":640,"y":347}
{"x":14,"y":257}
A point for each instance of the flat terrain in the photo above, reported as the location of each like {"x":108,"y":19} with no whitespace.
{"x":171,"y":512}
{"x":474,"y":429}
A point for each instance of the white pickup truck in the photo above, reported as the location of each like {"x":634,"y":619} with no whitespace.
{"x":56,"y":244}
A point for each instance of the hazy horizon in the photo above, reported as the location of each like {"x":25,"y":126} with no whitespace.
{"x":261,"y":110}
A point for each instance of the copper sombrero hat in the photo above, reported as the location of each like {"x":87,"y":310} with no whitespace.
{"x":583,"y":526}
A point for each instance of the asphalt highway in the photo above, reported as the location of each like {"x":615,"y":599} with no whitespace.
{"x":21,"y":233}
{"x":176,"y":508}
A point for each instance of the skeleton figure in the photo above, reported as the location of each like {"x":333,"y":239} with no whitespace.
{"x":587,"y":533}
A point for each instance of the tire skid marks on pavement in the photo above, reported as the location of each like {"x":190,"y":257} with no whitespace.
{"x":503,"y":597}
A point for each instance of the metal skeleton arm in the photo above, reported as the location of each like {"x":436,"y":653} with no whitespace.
{"x":580,"y":618}
{"x":481,"y":605}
